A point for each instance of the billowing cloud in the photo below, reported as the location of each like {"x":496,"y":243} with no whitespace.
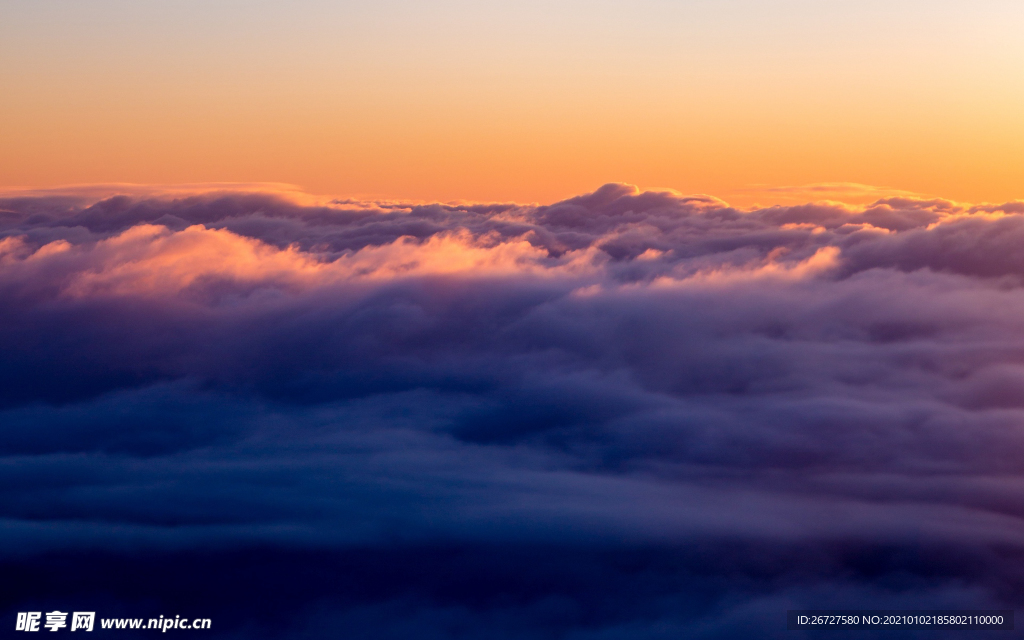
{"x":627,"y":414}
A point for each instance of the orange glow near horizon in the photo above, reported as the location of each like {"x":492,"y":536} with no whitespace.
{"x":744,"y":100}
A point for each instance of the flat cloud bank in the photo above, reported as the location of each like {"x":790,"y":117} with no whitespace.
{"x":628,"y":414}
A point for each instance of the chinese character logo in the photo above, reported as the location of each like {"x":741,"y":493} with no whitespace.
{"x":28,"y":621}
{"x":56,"y":620}
{"x":82,"y":620}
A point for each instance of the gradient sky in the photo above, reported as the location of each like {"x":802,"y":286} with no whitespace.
{"x":527,"y":101}
{"x":251,"y":369}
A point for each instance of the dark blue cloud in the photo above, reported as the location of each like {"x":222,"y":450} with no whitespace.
{"x":628,"y":414}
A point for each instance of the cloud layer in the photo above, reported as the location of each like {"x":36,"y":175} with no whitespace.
{"x":548,"y":406}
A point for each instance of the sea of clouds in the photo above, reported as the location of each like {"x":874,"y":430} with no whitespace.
{"x":624,"y":415}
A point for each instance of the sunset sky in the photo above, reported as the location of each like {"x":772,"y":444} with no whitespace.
{"x":462,"y":320}
{"x":525,"y":100}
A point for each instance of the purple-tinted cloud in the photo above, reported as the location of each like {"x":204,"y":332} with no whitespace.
{"x":635,"y":372}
